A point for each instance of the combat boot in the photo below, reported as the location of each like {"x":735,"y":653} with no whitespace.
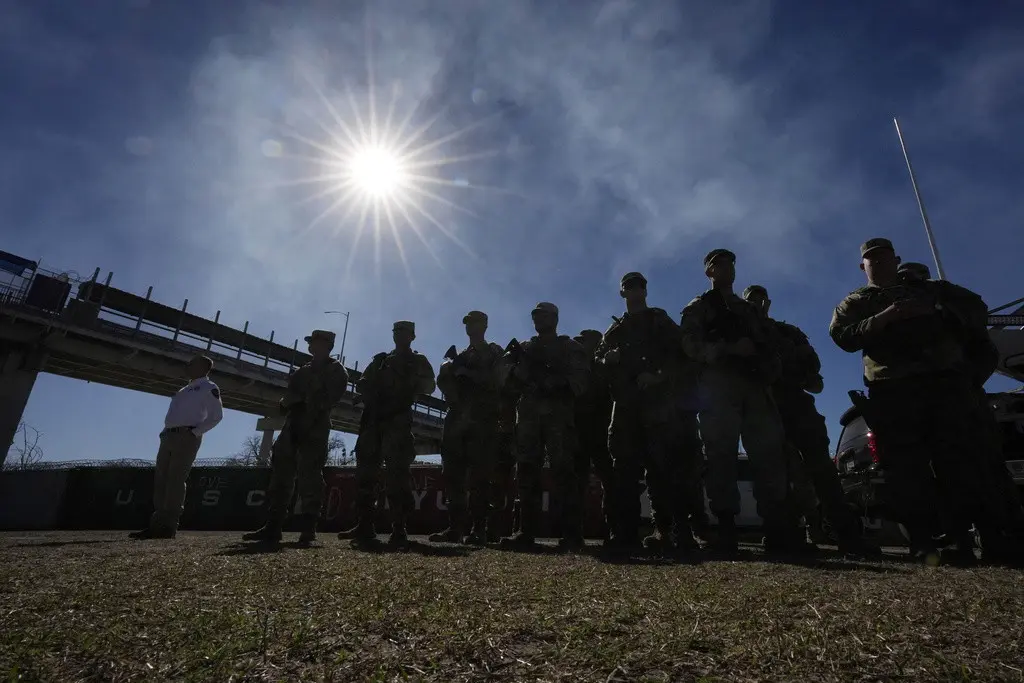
{"x":363,"y":534}
{"x":683,"y":539}
{"x":783,"y":537}
{"x":307,"y":526}
{"x":961,"y":554}
{"x":520,"y":540}
{"x":452,"y":534}
{"x":478,"y":534}
{"x":398,"y":539}
{"x":659,"y":542}
{"x":268,"y":533}
{"x":725,"y":540}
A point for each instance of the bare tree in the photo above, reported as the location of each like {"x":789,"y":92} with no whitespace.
{"x":25,"y":447}
{"x":337,"y":451}
{"x":249,"y":453}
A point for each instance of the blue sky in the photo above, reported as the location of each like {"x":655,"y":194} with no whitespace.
{"x":157,"y":140}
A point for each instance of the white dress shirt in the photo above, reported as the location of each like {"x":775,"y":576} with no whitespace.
{"x":196,"y":405}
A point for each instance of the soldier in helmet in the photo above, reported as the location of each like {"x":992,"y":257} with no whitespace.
{"x":911,"y":271}
{"x":388,"y":388}
{"x":550,"y":371}
{"x":469,"y":381}
{"x":813,"y":475}
{"x":917,"y":340}
{"x":300,"y":451}
{"x":734,"y":343}
{"x":593,"y":415}
{"x":649,"y":377}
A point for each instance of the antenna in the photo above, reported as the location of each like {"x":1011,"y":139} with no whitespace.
{"x":920,"y":205}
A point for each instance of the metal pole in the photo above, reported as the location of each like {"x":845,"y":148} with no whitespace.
{"x":270,"y":346}
{"x":344,"y":335}
{"x":245,"y":332}
{"x":106,"y":286}
{"x":145,"y":305}
{"x":181,"y":319}
{"x":209,"y":340}
{"x":920,"y":205}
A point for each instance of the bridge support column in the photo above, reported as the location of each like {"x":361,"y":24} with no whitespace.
{"x":18,"y":371}
{"x":265,"y":446}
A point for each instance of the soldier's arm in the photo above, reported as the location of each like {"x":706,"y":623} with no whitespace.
{"x":852,"y":324}
{"x":296,"y":391}
{"x":369,"y":376}
{"x":803,"y":354}
{"x":337,"y":384}
{"x":489,"y":375}
{"x":424,"y":381}
{"x":579,"y":367}
{"x":693,"y":333}
{"x":446,"y":379}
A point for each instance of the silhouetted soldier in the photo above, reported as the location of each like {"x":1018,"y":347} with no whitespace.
{"x":816,"y":478}
{"x":505,"y":462}
{"x":469,"y":382}
{"x":922,"y":400}
{"x":300,"y":451}
{"x":388,"y":388}
{"x":649,"y":374}
{"x":734,"y":342}
{"x":551,"y":371}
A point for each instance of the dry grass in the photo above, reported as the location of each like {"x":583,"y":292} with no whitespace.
{"x":95,"y":606}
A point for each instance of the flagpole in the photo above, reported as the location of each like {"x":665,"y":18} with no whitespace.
{"x":920,"y":205}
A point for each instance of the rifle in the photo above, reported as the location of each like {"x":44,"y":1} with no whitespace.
{"x":536,"y":367}
{"x":730,"y":327}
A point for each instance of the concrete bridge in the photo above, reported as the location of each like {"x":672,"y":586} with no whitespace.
{"x":94,"y":332}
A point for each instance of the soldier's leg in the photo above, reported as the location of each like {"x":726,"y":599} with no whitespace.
{"x":625,"y":447}
{"x":455,"y":455}
{"x":369,"y":457}
{"x":529,"y":461}
{"x":311,"y":460}
{"x":603,"y":468}
{"x":501,"y":491}
{"x":764,"y":442}
{"x":282,"y":482}
{"x":398,"y":450}
{"x":560,"y":439}
{"x":900,"y":419}
{"x":803,"y":502}
{"x":660,"y":440}
{"x":690,"y":513}
{"x":720,"y":421}
{"x":482,"y":447}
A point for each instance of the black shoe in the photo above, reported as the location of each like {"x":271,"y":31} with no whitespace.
{"x":571,"y":544}
{"x":268,"y":533}
{"x":150,"y":533}
{"x":398,"y":539}
{"x":449,"y":535}
{"x":519,"y":541}
{"x":141,"y":535}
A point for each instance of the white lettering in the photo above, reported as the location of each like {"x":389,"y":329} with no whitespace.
{"x":211,"y":497}
{"x":417,"y":499}
{"x":126,"y":501}
{"x":255,"y":498}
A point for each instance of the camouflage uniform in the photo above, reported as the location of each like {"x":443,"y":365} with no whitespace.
{"x":649,"y":426}
{"x":470,"y":440}
{"x":389,"y":386}
{"x":922,"y":404}
{"x":300,"y":451}
{"x":736,"y":402}
{"x":555,"y":370}
{"x":593,"y":416}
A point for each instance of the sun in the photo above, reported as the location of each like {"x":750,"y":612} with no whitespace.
{"x":378,"y":171}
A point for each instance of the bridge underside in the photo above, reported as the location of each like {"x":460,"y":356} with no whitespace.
{"x":154,"y":365}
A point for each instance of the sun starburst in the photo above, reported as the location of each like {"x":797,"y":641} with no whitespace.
{"x":373,"y":172}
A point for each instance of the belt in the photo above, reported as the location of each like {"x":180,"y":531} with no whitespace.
{"x":174,"y":430}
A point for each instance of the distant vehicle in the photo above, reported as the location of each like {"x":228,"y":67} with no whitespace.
{"x":863,"y":477}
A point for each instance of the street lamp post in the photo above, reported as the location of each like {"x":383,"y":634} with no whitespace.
{"x":344,"y":334}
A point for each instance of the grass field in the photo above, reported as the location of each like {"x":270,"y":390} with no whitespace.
{"x":95,"y":606}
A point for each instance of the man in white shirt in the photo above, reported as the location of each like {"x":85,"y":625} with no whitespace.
{"x":194,"y":410}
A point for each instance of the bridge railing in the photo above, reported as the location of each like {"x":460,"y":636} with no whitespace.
{"x":56,"y":295}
